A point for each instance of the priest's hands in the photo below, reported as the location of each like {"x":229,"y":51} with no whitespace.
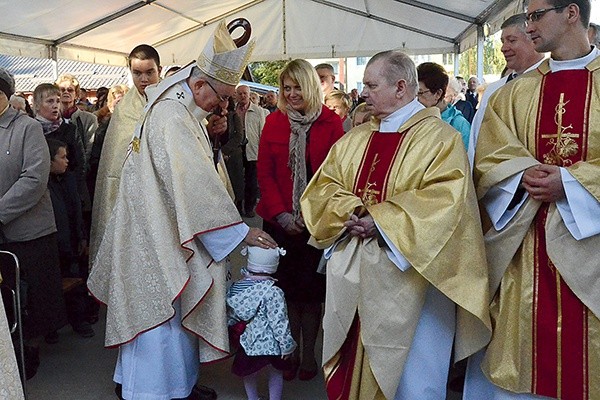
{"x":362,"y":227}
{"x":543,"y":183}
{"x":259,"y":238}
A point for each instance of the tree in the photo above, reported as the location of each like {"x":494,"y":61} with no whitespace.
{"x":493,"y":60}
{"x":267,"y":72}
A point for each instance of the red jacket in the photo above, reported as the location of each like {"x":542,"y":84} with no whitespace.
{"x":274,"y":175}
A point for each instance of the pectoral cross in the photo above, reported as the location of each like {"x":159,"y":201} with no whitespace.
{"x":368,"y":195}
{"x":563,"y":145}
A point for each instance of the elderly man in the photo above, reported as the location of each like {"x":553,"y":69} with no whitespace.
{"x":520,"y":56}
{"x":160,"y":267}
{"x":144,"y":65}
{"x":253,"y":119}
{"x":271,"y":101}
{"x":537,"y":176}
{"x":471,"y":94}
{"x":394,"y":204}
{"x":327,"y":77}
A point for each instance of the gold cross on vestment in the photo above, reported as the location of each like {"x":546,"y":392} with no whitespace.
{"x":563,"y":145}
{"x":369,"y":196}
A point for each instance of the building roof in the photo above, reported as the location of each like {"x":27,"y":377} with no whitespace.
{"x":30,"y":72}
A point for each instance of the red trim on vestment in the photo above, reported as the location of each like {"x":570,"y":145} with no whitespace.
{"x":560,"y":337}
{"x":339,"y":382}
{"x":200,"y":233}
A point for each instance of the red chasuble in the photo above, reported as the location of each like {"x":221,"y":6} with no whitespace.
{"x":370,"y":185}
{"x":559,"y":317}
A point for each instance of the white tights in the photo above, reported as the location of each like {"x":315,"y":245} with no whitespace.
{"x":275,"y":384}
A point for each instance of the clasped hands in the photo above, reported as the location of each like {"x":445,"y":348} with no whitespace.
{"x":363,"y":227}
{"x":291,"y":225}
{"x":543,"y":183}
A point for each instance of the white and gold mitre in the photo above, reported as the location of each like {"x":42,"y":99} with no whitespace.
{"x":222,"y":59}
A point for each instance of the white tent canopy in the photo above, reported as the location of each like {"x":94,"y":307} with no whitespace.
{"x":105,"y":31}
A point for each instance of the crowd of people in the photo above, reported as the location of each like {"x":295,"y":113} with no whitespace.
{"x":425,"y":221}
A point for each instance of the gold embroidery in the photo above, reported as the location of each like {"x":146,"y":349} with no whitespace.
{"x":135,"y":144}
{"x":369,"y":196}
{"x":563,"y":145}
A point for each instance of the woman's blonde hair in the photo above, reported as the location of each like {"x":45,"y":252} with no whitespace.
{"x":41,"y":91}
{"x":341,"y":96}
{"x":302,"y":72}
{"x":114,"y":91}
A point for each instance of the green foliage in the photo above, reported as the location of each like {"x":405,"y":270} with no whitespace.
{"x":267,"y":72}
{"x":493,"y":60}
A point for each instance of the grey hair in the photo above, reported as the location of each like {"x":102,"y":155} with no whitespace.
{"x":398,"y":66}
{"x":518,"y":20}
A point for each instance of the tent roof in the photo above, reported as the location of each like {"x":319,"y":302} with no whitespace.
{"x":105,"y":31}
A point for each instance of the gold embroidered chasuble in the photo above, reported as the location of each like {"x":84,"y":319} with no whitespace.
{"x":169,"y":193}
{"x":546,"y":283}
{"x":118,"y":136}
{"x":429,"y":212}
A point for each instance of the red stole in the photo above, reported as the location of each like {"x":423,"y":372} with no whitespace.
{"x":559,"y":318}
{"x":371,"y":186}
{"x":375,"y":166}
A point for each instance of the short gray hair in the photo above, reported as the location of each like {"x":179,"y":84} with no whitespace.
{"x":398,"y":66}
{"x":518,"y":20}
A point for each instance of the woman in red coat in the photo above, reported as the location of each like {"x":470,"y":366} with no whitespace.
{"x":294,"y":142}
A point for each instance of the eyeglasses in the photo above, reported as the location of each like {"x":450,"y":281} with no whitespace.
{"x":70,"y":90}
{"x":220,"y":97}
{"x":536,"y":15}
{"x":421,"y":93}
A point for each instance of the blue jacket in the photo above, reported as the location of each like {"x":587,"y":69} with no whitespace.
{"x":455,"y":118}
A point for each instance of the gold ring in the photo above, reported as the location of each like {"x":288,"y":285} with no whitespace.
{"x":260,"y":239}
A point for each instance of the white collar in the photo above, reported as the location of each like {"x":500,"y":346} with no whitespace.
{"x":577,"y":63}
{"x":395,"y":120}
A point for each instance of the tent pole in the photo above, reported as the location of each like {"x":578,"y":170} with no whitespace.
{"x":53,"y":55}
{"x":456,"y":59}
{"x":284,"y":29}
{"x":480,"y":42}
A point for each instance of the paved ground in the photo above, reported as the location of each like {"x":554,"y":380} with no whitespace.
{"x":81,"y":369}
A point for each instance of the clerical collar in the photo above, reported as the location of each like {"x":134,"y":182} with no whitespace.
{"x":577,"y":63}
{"x":395,"y":120}
{"x":198,"y":112}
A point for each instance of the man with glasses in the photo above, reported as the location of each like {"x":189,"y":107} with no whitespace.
{"x":160,"y":267}
{"x":537,"y":175}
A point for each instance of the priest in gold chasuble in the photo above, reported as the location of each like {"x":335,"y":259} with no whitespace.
{"x":537,"y":175}
{"x":395,"y":208}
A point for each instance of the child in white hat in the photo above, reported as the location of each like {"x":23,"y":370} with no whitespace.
{"x":266,"y":341}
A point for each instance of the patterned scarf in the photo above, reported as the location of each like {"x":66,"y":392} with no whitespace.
{"x":68,"y":113}
{"x":47,"y":125}
{"x":300,"y":125}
